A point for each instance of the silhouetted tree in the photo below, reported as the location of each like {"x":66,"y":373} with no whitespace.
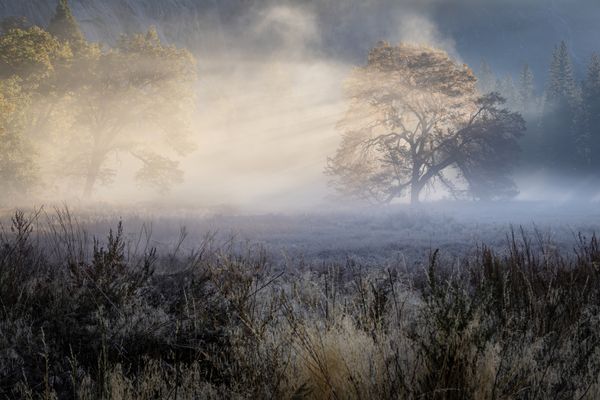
{"x":64,"y":26}
{"x":561,"y":138}
{"x":415,"y":118}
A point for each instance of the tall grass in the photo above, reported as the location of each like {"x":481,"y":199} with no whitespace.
{"x":82,"y":318}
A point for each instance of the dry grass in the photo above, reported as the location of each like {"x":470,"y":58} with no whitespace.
{"x":88,"y":319}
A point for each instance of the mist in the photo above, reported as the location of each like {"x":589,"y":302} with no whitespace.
{"x":268,"y":99}
{"x":270,"y":87}
{"x":299,"y":199}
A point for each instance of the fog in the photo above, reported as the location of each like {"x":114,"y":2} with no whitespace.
{"x":349,"y":199}
{"x":271,"y":76}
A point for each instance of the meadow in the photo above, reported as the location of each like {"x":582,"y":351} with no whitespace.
{"x":396,"y":304}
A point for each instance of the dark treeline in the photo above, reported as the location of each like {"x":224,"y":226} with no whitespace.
{"x":563,"y":119}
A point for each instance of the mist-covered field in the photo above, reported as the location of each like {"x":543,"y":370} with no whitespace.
{"x":317,"y":199}
{"x":401,"y":303}
{"x":370,"y":235}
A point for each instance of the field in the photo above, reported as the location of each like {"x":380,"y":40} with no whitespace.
{"x":451,"y":302}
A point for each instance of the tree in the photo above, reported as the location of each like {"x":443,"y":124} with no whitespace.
{"x":18,"y":170}
{"x":528,"y":104}
{"x":32,"y":54}
{"x":10,"y":23}
{"x":414,"y":119}
{"x":29,"y":60}
{"x":64,"y":26}
{"x":562,"y":143}
{"x":73,"y":105}
{"x":136,"y":100}
{"x":526,"y":89}
{"x":561,"y":84}
{"x":591,"y":103}
{"x":42,"y":66}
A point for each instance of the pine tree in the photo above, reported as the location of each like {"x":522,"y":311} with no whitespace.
{"x":64,"y":26}
{"x":526,"y":90}
{"x":562,"y":136}
{"x":561,"y":85}
{"x":591,"y":105}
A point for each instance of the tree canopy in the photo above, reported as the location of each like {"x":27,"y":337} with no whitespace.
{"x":17,"y":167}
{"x":64,"y":26}
{"x":415,"y":118}
{"x":136,"y":100}
{"x":90,"y":106}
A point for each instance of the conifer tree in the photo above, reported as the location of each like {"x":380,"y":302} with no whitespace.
{"x":562,"y":140}
{"x":525,"y":90}
{"x":561,"y":85}
{"x":591,"y":104}
{"x":64,"y":26}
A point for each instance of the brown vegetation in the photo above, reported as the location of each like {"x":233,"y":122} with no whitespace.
{"x":93,"y":320}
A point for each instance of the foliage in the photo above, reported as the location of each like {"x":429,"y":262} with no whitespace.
{"x":561,"y":142}
{"x":86,"y":104}
{"x":32,"y":55}
{"x":64,"y":27}
{"x":10,"y":23}
{"x":17,"y":166}
{"x":414,"y":119}
{"x":136,"y":99}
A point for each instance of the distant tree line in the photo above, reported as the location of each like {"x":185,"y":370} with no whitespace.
{"x":71,"y":111}
{"x":418,"y":120}
{"x":563,"y":121}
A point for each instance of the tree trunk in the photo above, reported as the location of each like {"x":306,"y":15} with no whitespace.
{"x":415,"y":190}
{"x":415,"y":183}
{"x":92,"y":175}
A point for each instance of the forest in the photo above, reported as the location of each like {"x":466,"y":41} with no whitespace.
{"x":78,"y":115}
{"x":69,"y":106}
{"x":286,"y":205}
